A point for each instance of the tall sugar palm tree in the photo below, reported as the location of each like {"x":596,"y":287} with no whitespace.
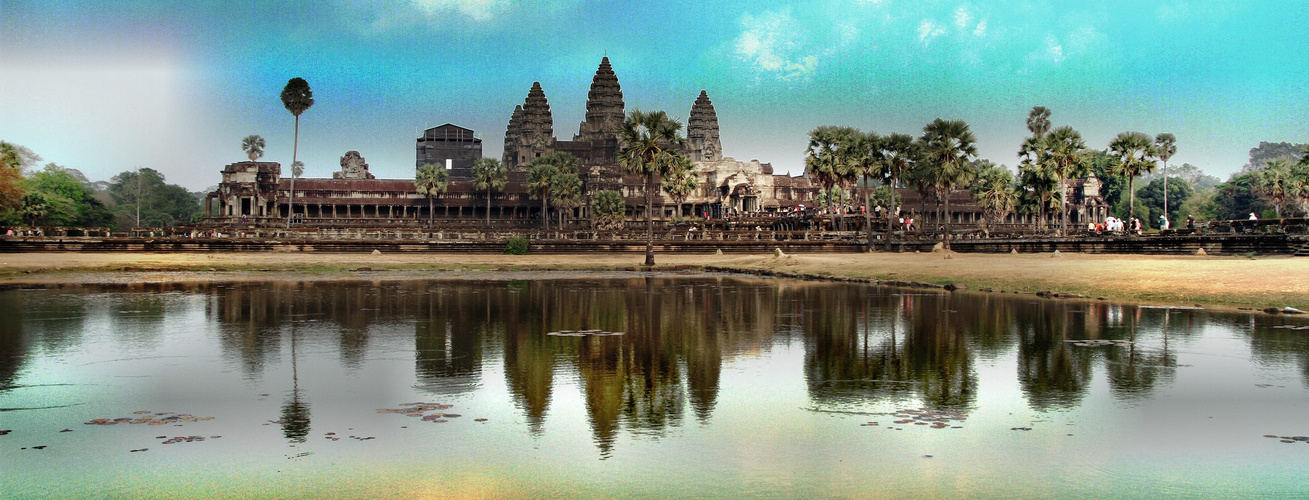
{"x":1038,"y":121}
{"x":489,"y":175}
{"x":297,"y":97}
{"x":1165,"y":145}
{"x":681,"y":182}
{"x":1275,"y":181}
{"x":899,"y":152}
{"x":1065,"y":147}
{"x":650,"y":145}
{"x":949,"y":145}
{"x":1135,"y":154}
{"x":540,"y":180}
{"x":996,"y":194}
{"x":1037,"y":176}
{"x":866,"y":161}
{"x":567,"y":193}
{"x":253,"y":146}
{"x":431,"y":180}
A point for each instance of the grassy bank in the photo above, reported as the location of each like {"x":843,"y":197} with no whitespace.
{"x":1180,"y":280}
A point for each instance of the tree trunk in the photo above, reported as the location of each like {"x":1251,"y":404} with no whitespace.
{"x":430,"y":212}
{"x":649,"y":222}
{"x":488,"y":207}
{"x":1063,"y":208}
{"x":295,"y":150}
{"x":947,"y":218}
{"x":868,"y":213}
{"x":890,"y":216}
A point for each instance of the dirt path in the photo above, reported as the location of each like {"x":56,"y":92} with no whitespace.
{"x":1184,"y":280}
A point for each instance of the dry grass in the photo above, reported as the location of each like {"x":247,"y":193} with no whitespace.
{"x":1211,"y":281}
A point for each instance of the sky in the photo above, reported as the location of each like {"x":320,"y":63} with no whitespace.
{"x":109,"y":86}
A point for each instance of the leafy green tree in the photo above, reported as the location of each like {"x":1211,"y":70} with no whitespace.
{"x":1065,"y":148}
{"x":1102,"y":164}
{"x":489,"y":175}
{"x":431,"y":180}
{"x":71,"y":202}
{"x":608,"y":209}
{"x":681,"y":182}
{"x":143,"y":199}
{"x":540,"y":180}
{"x":948,"y":145}
{"x":651,"y":143}
{"x":995,"y":191}
{"x":1238,"y":197}
{"x":13,"y":160}
{"x":1265,"y":151}
{"x":253,"y":146}
{"x":566,"y":190}
{"x":1135,"y":153}
{"x":297,"y":98}
{"x":1153,"y":196}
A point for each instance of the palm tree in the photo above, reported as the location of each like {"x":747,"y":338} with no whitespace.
{"x":431,"y":180}
{"x":489,"y":175}
{"x":1038,"y":121}
{"x":566,"y":189}
{"x":650,"y":146}
{"x":866,"y":152}
{"x":540,"y":178}
{"x":1275,"y":182}
{"x":898,"y":152}
{"x":297,"y":168}
{"x":1166,"y":145}
{"x":1135,"y":152}
{"x":681,"y":182}
{"x":297,"y":97}
{"x":949,"y":145}
{"x":831,"y":156}
{"x":253,"y":146}
{"x":995,"y":193}
{"x":1037,"y":176}
{"x":1065,"y":145}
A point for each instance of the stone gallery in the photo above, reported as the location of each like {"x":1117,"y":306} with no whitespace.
{"x":254,"y":192}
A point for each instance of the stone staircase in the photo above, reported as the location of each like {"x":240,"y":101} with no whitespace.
{"x":1303,"y":251}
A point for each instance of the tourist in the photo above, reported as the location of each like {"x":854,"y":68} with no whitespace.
{"x":1190,"y":222}
{"x":1136,"y":225}
{"x":1253,"y":216}
{"x":1163,"y":223}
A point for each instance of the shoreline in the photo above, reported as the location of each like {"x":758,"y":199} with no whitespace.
{"x":1225,"y":282}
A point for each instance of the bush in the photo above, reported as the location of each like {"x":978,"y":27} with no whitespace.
{"x":517,"y":246}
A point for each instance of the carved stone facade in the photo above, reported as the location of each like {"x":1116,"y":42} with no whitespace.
{"x":249,"y":189}
{"x":702,"y":131}
{"x":531,"y":130}
{"x":604,"y":106}
{"x":353,"y":166}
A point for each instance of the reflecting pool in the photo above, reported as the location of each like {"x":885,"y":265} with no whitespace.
{"x":633,"y":385}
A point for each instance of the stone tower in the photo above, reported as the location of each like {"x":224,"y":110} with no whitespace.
{"x":702,"y":131}
{"x":604,"y":106}
{"x":510,"y":157}
{"x":532,"y":136}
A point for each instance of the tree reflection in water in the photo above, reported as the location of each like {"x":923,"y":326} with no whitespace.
{"x":863,"y":345}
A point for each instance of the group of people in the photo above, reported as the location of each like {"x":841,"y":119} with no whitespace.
{"x":1113,"y":224}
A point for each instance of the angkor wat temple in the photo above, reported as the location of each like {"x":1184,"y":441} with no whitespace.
{"x":255,"y":193}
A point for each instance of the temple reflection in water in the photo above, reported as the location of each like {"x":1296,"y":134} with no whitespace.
{"x":862,"y":345}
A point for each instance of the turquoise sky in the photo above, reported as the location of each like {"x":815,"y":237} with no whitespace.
{"x":108,"y":86}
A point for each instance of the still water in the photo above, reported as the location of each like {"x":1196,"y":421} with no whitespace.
{"x":687,"y":386}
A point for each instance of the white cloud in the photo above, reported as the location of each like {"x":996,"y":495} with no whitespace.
{"x":980,"y":30}
{"x":962,"y":18}
{"x":1053,"y":50}
{"x":772,"y":42}
{"x":478,"y":10}
{"x":928,"y":30}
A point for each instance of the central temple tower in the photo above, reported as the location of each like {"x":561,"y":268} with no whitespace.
{"x":604,"y":106}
